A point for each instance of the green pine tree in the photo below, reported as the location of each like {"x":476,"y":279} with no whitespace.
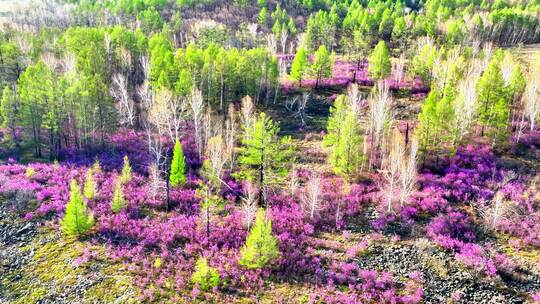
{"x":78,"y":219}
{"x":205,"y":276}
{"x":517,"y":84}
{"x":265,"y":158}
{"x":89,"y":185}
{"x":380,"y":65}
{"x":177,"y":177}
{"x":262,"y":18}
{"x":8,"y":113}
{"x":300,"y":65}
{"x":126,"y":175}
{"x":322,"y":64}
{"x":118,"y":200}
{"x":436,"y":124}
{"x":422,"y":63}
{"x":261,"y":246}
{"x":344,"y":138}
{"x":338,"y":110}
{"x":491,"y":92}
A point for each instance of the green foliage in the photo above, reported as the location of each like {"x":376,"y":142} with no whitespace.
{"x":89,"y":185}
{"x":8,"y":114}
{"x":162,"y":70}
{"x":78,"y":219}
{"x":344,"y":138}
{"x":338,"y":110}
{"x":292,"y":26}
{"x":178,"y":166}
{"x":493,"y":99}
{"x":192,"y":3}
{"x":399,"y":31}
{"x":10,"y":61}
{"x":300,"y":65}
{"x":36,"y":95}
{"x":265,"y":158}
{"x":386,"y":25}
{"x":436,"y":124}
{"x":276,"y":28}
{"x":455,"y":34}
{"x":133,"y":41}
{"x":211,"y":36}
{"x":223,"y":74}
{"x":126,"y":175}
{"x":379,"y":62}
{"x":422,"y":63}
{"x":322,"y":64}
{"x":320,"y":30}
{"x":88,"y":46}
{"x":262,"y":18}
{"x":205,"y":277}
{"x":118,"y":200}
{"x":261,"y":247}
{"x":86,"y":93}
{"x":517,"y":83}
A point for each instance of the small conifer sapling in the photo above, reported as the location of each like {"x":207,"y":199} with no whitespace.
{"x":178,"y":166}
{"x":261,"y":246}
{"x":78,"y":219}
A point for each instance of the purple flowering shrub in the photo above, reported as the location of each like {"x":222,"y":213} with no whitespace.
{"x":451,"y":231}
{"x":345,"y":72}
{"x":159,"y":241}
{"x":367,"y":286}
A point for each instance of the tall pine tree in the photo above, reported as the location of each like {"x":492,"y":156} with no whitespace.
{"x":344,"y":138}
{"x":380,"y":65}
{"x":265,"y":158}
{"x":300,"y":65}
{"x":322,"y":64}
{"x":492,"y":97}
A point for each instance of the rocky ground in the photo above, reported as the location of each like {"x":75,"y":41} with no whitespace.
{"x":37,"y":265}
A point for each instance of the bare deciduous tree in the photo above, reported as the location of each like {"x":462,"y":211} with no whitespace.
{"x":507,"y":67}
{"x":380,"y":103}
{"x":283,"y":38}
{"x":398,"y":68}
{"x":157,"y":184}
{"x":230,"y":136}
{"x":197,"y":112}
{"x":293,"y":182}
{"x":249,"y":204}
{"x":297,"y":105}
{"x":125,"y":105}
{"x":125,"y":58}
{"x":215,"y":153}
{"x":311,"y":196}
{"x":271,"y":43}
{"x":392,"y":166}
{"x":531,"y":104}
{"x":499,"y":208}
{"x":248,"y":115}
{"x":408,"y":173}
{"x":466,"y":106}
{"x":168,"y":111}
